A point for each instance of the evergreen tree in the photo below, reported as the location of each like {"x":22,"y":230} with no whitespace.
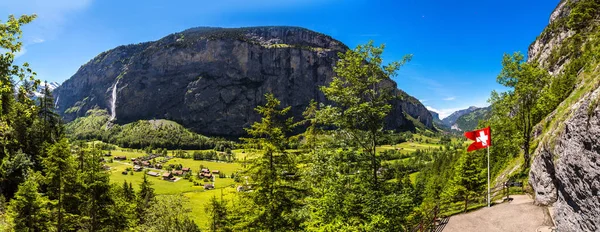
{"x":28,"y":210}
{"x":97,"y":189}
{"x":217,"y":212}
{"x":469,"y":178}
{"x":63,"y":185}
{"x":145,"y":197}
{"x":275,"y":197}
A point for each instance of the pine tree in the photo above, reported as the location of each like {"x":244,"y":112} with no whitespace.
{"x":469,"y":178}
{"x":275,"y":197}
{"x":63,"y":185}
{"x":97,"y":190}
{"x":29,"y":209}
{"x":217,"y":212}
{"x":144,"y":198}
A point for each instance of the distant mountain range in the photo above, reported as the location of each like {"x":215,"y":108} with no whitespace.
{"x":461,"y":120}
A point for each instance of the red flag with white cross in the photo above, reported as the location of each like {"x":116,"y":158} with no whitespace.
{"x":482,"y":138}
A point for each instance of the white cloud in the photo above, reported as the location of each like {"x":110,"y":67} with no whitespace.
{"x":38,"y":40}
{"x":20,"y":53}
{"x":449,"y":99}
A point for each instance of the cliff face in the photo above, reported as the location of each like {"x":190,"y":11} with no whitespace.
{"x":211,"y":79}
{"x":565,"y":171}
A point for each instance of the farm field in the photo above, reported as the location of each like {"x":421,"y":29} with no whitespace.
{"x":196,"y":195}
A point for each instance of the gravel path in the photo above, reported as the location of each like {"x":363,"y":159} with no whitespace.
{"x":518,"y":215}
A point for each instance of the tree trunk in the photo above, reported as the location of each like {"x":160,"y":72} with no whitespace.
{"x":526,"y":155}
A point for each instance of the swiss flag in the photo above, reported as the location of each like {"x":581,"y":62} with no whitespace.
{"x":482,"y":138}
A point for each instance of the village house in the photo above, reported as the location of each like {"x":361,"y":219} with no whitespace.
{"x":137,"y":168}
{"x":216,"y":172}
{"x":158,"y":166}
{"x":167,"y":176}
{"x":155,"y":174}
{"x":209,"y":186}
{"x":120,"y":158}
{"x":178,"y":173}
{"x":186,"y":170}
{"x":145,"y":163}
{"x":124,"y":172}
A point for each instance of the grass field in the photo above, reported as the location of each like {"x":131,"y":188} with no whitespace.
{"x":197,"y":196}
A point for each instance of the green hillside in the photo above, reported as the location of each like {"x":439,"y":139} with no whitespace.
{"x":470,"y":121}
{"x":158,"y":133}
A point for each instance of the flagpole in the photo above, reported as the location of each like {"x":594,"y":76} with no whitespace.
{"x":488,"y":175}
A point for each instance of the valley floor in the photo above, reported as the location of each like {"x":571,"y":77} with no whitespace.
{"x":518,"y":215}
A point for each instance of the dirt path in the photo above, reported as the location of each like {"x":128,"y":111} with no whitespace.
{"x":518,"y":215}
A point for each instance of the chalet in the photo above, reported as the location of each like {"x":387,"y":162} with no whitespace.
{"x":215,"y":171}
{"x":158,"y":166}
{"x":120,"y":158}
{"x":145,"y":163}
{"x":178,"y":173}
{"x":209,"y":186}
{"x":167,"y":176}
{"x":155,"y":174}
{"x":133,"y":159}
{"x":186,"y":170}
{"x":137,"y":162}
{"x":205,"y":170}
{"x":107,"y":154}
{"x":137,"y":168}
{"x":205,"y":175}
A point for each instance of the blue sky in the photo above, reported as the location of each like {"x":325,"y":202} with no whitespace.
{"x":457,"y":45}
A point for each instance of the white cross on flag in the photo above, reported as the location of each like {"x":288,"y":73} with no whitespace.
{"x":482,"y":138}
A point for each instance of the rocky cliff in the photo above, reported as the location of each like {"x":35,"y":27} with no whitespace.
{"x":211,"y":79}
{"x":565,"y":169}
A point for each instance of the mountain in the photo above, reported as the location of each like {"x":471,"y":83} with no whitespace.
{"x":51,"y":86}
{"x":211,"y":79}
{"x":437,"y":122}
{"x":451,"y":119}
{"x":469,"y":121}
{"x":565,"y":171}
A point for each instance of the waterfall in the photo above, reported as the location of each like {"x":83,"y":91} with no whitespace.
{"x":113,"y":104}
{"x":56,"y":102}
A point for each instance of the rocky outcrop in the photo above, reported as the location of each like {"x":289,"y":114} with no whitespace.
{"x":211,"y":79}
{"x":566,"y":169}
{"x":551,"y":39}
{"x":565,"y":172}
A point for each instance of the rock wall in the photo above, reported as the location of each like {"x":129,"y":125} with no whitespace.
{"x":566,"y":169}
{"x":211,"y":79}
